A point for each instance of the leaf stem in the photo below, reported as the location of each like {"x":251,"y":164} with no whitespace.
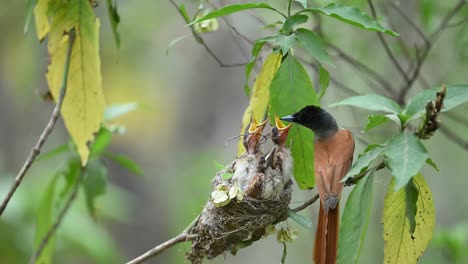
{"x":47,"y":130}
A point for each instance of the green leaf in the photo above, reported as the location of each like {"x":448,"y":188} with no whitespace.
{"x":52,"y":153}
{"x":372,"y":102}
{"x":302,"y":220}
{"x":411,"y":199}
{"x":375,"y":121}
{"x":117,"y":110}
{"x":405,"y":157}
{"x":40,"y":17}
{"x":30,"y":4}
{"x":293,"y":21}
{"x":355,"y":220}
{"x":313,"y":45}
{"x":353,"y":16}
{"x":126,"y":163}
{"x":95,"y":184}
{"x":285,"y":42}
{"x":400,"y":245}
{"x":114,"y":20}
{"x":432,"y":164}
{"x":44,"y":221}
{"x":302,"y":2}
{"x":456,"y":95}
{"x":230,"y":9}
{"x":100,"y":143}
{"x":183,"y":12}
{"x":71,"y":174}
{"x":364,"y":161}
{"x":290,"y":91}
{"x":324,"y":81}
{"x":257,"y":47}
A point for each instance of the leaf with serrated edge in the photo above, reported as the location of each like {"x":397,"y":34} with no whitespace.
{"x":355,"y":220}
{"x":400,"y":245}
{"x":405,"y":156}
{"x":354,"y":16}
{"x":260,"y":93}
{"x":372,"y":102}
{"x":41,"y":19}
{"x":83,"y":106}
{"x":290,"y":91}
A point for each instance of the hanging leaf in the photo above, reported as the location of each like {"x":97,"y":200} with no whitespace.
{"x":290,"y":91}
{"x":257,"y":47}
{"x":363,"y":161}
{"x":400,"y":245}
{"x":372,"y":102}
{"x":114,"y":19}
{"x":324,"y":81}
{"x":41,"y":19}
{"x":44,"y":221}
{"x":260,"y":93}
{"x":355,"y":220}
{"x":83,"y":106}
{"x":405,"y":157}
{"x":95,"y":184}
{"x":353,"y":16}
{"x":313,"y":45}
{"x":432,"y":164}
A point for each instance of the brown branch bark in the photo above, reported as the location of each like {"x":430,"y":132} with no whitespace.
{"x":183,"y":237}
{"x":47,"y":130}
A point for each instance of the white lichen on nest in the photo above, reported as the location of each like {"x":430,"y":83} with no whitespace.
{"x":236,"y":222}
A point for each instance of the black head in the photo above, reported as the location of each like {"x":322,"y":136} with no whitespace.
{"x":315,"y":118}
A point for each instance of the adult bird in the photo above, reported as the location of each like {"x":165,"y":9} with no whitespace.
{"x":333,"y":157}
{"x":275,"y":168}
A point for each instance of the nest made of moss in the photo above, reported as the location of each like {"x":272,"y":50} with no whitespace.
{"x":236,"y":224}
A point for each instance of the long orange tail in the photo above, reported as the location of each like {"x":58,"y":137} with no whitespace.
{"x":326,"y":237}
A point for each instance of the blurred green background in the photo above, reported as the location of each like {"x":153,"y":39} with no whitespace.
{"x":191,"y":107}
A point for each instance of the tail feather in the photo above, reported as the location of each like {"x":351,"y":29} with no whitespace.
{"x":326,"y":237}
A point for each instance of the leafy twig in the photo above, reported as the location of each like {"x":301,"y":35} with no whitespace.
{"x":45,"y":240}
{"x":47,"y":130}
{"x":183,"y":237}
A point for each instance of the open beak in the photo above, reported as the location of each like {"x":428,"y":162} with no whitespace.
{"x":255,"y":134}
{"x":283,"y":130}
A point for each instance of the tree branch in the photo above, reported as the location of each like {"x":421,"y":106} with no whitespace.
{"x":183,"y":237}
{"x":306,"y":204}
{"x":47,"y":130}
{"x":45,"y":240}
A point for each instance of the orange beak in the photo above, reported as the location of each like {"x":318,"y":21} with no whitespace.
{"x":255,"y":133}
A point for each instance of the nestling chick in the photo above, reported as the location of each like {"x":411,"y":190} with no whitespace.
{"x":246,"y":166}
{"x":275,"y":168}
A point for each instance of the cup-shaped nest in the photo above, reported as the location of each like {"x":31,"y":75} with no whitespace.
{"x":235,"y":225}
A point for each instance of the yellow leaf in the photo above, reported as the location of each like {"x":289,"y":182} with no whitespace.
{"x":83,"y":106}
{"x":40,"y":17}
{"x":260,"y":93}
{"x":400,"y":245}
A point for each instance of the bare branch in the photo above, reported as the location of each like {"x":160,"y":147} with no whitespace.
{"x":47,"y":130}
{"x":387,"y":48}
{"x":50,"y":233}
{"x":183,"y":237}
{"x":411,"y":23}
{"x":306,"y":204}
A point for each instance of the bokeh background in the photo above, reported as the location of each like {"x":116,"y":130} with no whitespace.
{"x":190,"y":107}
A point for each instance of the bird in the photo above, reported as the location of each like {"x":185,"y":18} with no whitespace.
{"x":333,"y":157}
{"x":245,"y":167}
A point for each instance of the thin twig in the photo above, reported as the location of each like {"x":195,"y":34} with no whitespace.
{"x":183,"y":237}
{"x":47,"y":130}
{"x":306,"y":203}
{"x":411,"y":23}
{"x":207,"y":48}
{"x":46,"y":239}
{"x":387,"y":48}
